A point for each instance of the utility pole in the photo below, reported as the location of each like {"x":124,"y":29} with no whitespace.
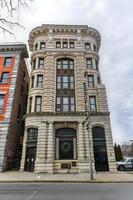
{"x":87,"y":122}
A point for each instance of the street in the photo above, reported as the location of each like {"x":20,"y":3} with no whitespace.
{"x":66,"y":191}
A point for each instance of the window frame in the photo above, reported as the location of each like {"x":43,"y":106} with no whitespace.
{"x":40,"y":104}
{"x":8,"y":63}
{"x":2,"y":100}
{"x":7,"y":79}
{"x":42,"y":45}
{"x":40,"y":65}
{"x":38,"y":81}
{"x":91,"y":82}
{"x":92,"y":104}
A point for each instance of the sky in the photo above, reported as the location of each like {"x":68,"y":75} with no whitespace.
{"x":114,"y":20}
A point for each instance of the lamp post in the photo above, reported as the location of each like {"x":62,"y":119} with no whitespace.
{"x":87,"y":122}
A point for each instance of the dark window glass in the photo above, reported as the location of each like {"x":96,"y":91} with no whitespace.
{"x":38,"y":103}
{"x":4,"y":78}
{"x":58,"y":44}
{"x":87,"y":45}
{"x":89,"y":63}
{"x":42,"y":45}
{"x":71,"y":44}
{"x":2,"y":97}
{"x":92,"y":100}
{"x":32,"y":81}
{"x":65,"y":45}
{"x":72,"y":103}
{"x":98,"y":79}
{"x":8,"y":61}
{"x":30,"y":104}
{"x":32,"y":134}
{"x":94,"y":47}
{"x":95,"y":64}
{"x":39,"y":80}
{"x":90,"y":81}
{"x":36,"y":46}
{"x":41,"y":63}
{"x":34,"y":64}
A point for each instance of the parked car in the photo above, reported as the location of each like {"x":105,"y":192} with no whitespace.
{"x":125,"y":164}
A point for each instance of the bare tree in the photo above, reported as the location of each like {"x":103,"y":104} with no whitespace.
{"x":9,"y":14}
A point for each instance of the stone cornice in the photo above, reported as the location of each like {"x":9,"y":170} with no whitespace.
{"x":79,"y":114}
{"x":52,"y":29}
{"x":11,"y":47}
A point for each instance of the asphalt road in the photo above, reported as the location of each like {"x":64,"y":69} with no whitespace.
{"x":68,"y":191}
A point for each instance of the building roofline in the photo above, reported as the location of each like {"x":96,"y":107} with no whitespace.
{"x":14,"y":47}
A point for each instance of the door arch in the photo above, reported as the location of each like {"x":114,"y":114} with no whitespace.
{"x":65,"y":140}
{"x":100,"y":150}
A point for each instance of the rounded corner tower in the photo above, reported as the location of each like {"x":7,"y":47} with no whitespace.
{"x":56,"y":138}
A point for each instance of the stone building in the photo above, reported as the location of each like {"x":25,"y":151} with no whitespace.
{"x":14,"y":82}
{"x":56,"y":139}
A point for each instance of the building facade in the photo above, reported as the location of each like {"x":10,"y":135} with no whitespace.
{"x":14,"y":82}
{"x":56,"y":139}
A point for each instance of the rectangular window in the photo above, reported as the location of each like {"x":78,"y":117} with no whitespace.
{"x":87,"y":45}
{"x":89,"y":63}
{"x":71,"y":44}
{"x":71,"y":64}
{"x":92,"y":100}
{"x":71,"y":82}
{"x":58,"y":44}
{"x":4,"y":78}
{"x":39,"y":80}
{"x":2,"y":97}
{"x":72,"y":103}
{"x":36,"y":46}
{"x":58,"y":104}
{"x":65,"y":64}
{"x":65,"y":45}
{"x":59,"y":65}
{"x":98,"y":79}
{"x":38,"y":103}
{"x":41,"y":63}
{"x":30,"y":104}
{"x":42,"y":45}
{"x":94,"y":47}
{"x":90,"y":81}
{"x":65,"y":82}
{"x":8,"y":61}
{"x":65,"y":104}
{"x":58,"y":82}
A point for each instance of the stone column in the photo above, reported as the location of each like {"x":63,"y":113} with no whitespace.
{"x":81,"y":154}
{"x":50,"y":150}
{"x":41,"y":148}
{"x":81,"y":149}
{"x":23,"y":152}
{"x":37,"y":62}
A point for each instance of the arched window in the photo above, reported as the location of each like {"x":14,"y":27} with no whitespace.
{"x":65,"y":87}
{"x":100,"y":150}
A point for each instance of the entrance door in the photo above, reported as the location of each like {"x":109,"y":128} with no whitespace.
{"x":30,"y":159}
{"x":100,"y":150}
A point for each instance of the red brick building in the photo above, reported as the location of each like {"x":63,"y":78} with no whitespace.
{"x":14,"y":83}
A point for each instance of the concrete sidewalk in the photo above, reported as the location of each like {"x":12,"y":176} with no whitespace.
{"x":16,"y":176}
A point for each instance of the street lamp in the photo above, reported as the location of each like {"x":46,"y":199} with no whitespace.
{"x":87,"y":122}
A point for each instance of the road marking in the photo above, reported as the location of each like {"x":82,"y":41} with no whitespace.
{"x":29,"y":198}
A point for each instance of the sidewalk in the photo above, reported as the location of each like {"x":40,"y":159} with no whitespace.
{"x":16,"y":176}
